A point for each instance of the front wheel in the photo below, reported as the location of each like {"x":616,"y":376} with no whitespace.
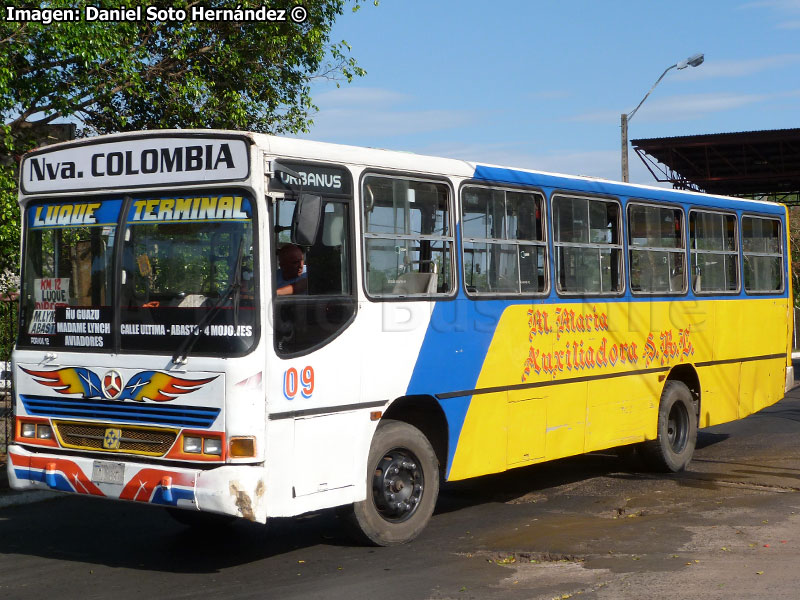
{"x":402,"y":486}
{"x":677,"y":430}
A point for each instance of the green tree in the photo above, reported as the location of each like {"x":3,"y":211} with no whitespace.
{"x":125,"y":76}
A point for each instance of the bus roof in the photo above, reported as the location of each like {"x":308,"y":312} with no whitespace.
{"x":301,"y":149}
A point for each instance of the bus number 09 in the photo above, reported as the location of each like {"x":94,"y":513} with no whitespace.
{"x":302,"y":382}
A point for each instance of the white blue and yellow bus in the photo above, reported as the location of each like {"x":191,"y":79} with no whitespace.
{"x":261,"y":327}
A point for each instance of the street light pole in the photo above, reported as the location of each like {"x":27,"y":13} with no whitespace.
{"x":624,"y":124}
{"x":693,"y":61}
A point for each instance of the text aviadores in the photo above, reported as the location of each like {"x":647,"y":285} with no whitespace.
{"x":83,"y":341}
{"x":189,"y":209}
{"x":65,"y":215}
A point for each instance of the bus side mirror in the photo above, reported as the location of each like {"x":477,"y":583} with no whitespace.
{"x":306,"y":219}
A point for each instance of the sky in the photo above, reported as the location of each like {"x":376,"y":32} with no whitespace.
{"x":541,"y":84}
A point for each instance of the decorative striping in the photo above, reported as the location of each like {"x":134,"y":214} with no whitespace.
{"x":108,"y":410}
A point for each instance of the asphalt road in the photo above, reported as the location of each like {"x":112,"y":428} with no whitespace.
{"x":587,"y":527}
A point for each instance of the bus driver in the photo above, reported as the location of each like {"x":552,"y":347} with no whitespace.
{"x":292,"y":276}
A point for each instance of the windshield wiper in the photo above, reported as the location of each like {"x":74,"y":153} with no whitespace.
{"x":234,"y":289}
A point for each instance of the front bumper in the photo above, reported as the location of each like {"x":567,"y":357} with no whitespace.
{"x":237,"y":490}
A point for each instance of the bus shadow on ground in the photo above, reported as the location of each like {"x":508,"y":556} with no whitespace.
{"x":625,"y":463}
{"x":146,"y":538}
{"x":515,"y":483}
{"x":706,"y":439}
{"x":779,"y":411}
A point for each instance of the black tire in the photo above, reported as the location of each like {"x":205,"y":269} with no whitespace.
{"x":402,"y":486}
{"x":672,"y":450}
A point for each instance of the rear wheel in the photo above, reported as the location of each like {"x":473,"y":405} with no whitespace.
{"x":402,"y":486}
{"x":677,"y":430}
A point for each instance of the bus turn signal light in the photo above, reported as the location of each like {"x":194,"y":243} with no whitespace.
{"x":242,"y":447}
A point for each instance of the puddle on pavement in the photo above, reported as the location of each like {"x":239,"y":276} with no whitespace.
{"x":581,"y":535}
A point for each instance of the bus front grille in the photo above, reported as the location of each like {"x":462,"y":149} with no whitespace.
{"x":151,"y":441}
{"x":201,"y":417}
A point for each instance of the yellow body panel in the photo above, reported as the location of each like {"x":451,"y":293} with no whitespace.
{"x":527,"y":424}
{"x":566,"y":420}
{"x":486,"y":424}
{"x":580,"y":377}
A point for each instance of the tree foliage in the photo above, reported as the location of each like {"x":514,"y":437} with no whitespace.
{"x":126,"y":76}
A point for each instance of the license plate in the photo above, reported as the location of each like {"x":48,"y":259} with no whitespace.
{"x":108,"y":472}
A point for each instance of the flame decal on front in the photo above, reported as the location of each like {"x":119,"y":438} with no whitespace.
{"x":145,"y":385}
{"x":71,"y":380}
{"x":159,"y":387}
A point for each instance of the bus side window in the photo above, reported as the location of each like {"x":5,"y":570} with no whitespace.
{"x":714,"y":252}
{"x":304,"y":321}
{"x":408,"y":242}
{"x":587,"y":245}
{"x":503,"y":241}
{"x":326,"y":259}
{"x":656,"y":249}
{"x":763,"y":254}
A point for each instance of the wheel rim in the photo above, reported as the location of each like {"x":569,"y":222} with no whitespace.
{"x":397,"y":485}
{"x":678,"y":427}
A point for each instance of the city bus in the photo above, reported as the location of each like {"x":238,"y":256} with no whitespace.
{"x":234,"y":324}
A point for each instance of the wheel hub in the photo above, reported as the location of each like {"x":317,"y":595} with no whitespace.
{"x":397,"y":485}
{"x":677,"y":428}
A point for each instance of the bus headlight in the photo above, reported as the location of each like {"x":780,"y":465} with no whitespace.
{"x":192,"y":445}
{"x":36,"y":431}
{"x":212,"y":446}
{"x":200,"y":444}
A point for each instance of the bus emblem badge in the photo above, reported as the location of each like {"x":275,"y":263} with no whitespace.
{"x":112,"y":384}
{"x":112,"y":438}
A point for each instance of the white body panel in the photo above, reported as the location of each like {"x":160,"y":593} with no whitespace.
{"x":311,"y":449}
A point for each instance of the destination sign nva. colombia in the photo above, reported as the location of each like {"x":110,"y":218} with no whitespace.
{"x":136,"y":162}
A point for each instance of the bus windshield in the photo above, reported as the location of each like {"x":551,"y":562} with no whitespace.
{"x":179,"y":260}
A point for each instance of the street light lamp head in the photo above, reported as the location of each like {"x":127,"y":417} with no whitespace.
{"x":693,"y":61}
